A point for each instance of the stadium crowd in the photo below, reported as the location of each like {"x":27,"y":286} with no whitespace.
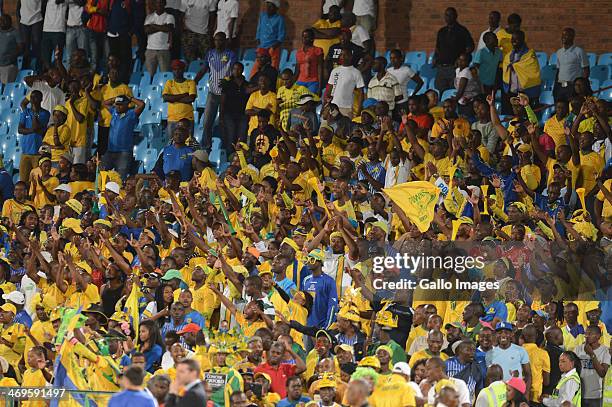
{"x":258,"y":282}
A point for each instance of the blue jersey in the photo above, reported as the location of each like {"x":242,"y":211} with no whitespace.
{"x":323,"y":290}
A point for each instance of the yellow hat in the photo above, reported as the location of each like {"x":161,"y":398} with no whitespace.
{"x":84,"y":266}
{"x":586,"y":230}
{"x":520,"y":206}
{"x":344,"y":347}
{"x":336,"y":234}
{"x":9,"y":308}
{"x":264,"y":271}
{"x":386,"y":348}
{"x":444,"y":383}
{"x":347,"y":313}
{"x":326,"y":380}
{"x":74,"y":224}
{"x":264,"y":375}
{"x":119,"y":316}
{"x":591,"y":306}
{"x":103,"y":222}
{"x":60,"y":108}
{"x":75,"y":205}
{"x":317,"y":254}
{"x":386,"y":318}
{"x":370,"y":361}
{"x":291,"y":243}
{"x":524,"y":148}
{"x":382,"y":225}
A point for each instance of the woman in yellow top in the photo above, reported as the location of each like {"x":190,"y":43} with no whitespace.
{"x":263,"y":99}
{"x":58,"y":136}
{"x":41,"y":190}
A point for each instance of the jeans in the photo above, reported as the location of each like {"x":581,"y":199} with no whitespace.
{"x":96,"y":48}
{"x":120,"y":161}
{"x":76,"y":38}
{"x":31,"y":36}
{"x":210,"y":113}
{"x":50,"y":41}
{"x":445,"y":79}
{"x":233,"y":129}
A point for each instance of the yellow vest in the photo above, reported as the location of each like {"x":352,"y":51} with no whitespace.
{"x":576,"y":400}
{"x":496,"y":394}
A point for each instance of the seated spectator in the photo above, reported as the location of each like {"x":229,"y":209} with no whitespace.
{"x":384,"y":87}
{"x":288,"y":95}
{"x":305,"y":115}
{"x":58,"y":135}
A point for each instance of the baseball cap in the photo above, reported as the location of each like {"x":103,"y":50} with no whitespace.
{"x":74,"y":224}
{"x":75,"y":205}
{"x":305,"y":98}
{"x":264,"y":375}
{"x":171,"y":275}
{"x":201,"y":155}
{"x":177,"y":64}
{"x":369,"y":103}
{"x":152,"y":275}
{"x":504,"y":325}
{"x":15,"y":297}
{"x":9,"y":308}
{"x":344,"y":347}
{"x":122,"y":100}
{"x":453,"y":324}
{"x":60,"y":108}
{"x":275,"y":2}
{"x":402,"y":368}
{"x":317,"y":254}
{"x":113,"y":187}
{"x":369,"y":361}
{"x":540,"y":313}
{"x":63,"y":187}
{"x":189,"y":328}
{"x":518,"y":384}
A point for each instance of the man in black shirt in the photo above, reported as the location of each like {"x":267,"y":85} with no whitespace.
{"x":262,"y":138}
{"x":234,"y":97}
{"x":554,"y":341}
{"x":335,"y":52}
{"x":265,"y":69}
{"x":452,"y":40}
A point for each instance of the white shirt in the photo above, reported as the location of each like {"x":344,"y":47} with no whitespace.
{"x":226,"y":11}
{"x":175,"y":4}
{"x":592,"y":383}
{"x":329,"y":3}
{"x":196,"y":14}
{"x":471,"y":88}
{"x":55,"y":17}
{"x":74,"y":15}
{"x":159,"y":41}
{"x":360,"y":35}
{"x":51,"y":97}
{"x":330,"y":267}
{"x":345,"y":79}
{"x":396,"y":174}
{"x":403,"y":74}
{"x":460,"y":387}
{"x":566,"y":392}
{"x":31,"y":12}
{"x":481,"y":43}
{"x":364,"y":8}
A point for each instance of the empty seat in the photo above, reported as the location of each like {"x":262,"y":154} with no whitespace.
{"x":553,"y":59}
{"x":542,"y":58}
{"x":151,"y":92}
{"x":427,"y":71}
{"x":605,"y":59}
{"x":249,"y":55}
{"x":418,"y":58}
{"x":248,"y":66}
{"x":201,"y":98}
{"x":548,"y":74}
{"x":600,"y":72}
{"x":23,"y":73}
{"x":546,"y":98}
{"x":592,"y":59}
{"x":160,"y":78}
{"x":195,"y":66}
{"x":284,"y":55}
{"x":448,"y":93}
{"x":547,"y":114}
{"x":190,"y":75}
{"x":292,"y":56}
{"x":16,"y":90}
{"x":149,"y":159}
{"x":594,"y":84}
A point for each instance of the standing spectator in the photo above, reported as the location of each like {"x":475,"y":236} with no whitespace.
{"x":487,"y":62}
{"x":32,"y":126}
{"x":108,"y":92}
{"x":121,"y":135}
{"x":6,"y":183}
{"x":187,"y":390}
{"x":572,"y":63}
{"x":263,"y":99}
{"x":196,"y":32}
{"x":539,"y":361}
{"x":176,"y":8}
{"x":79,"y":109}
{"x":309,"y":66}
{"x":133,"y":393}
{"x":463,"y":366}
{"x":327,"y":31}
{"x":520,"y":72}
{"x":118,"y":25}
{"x":359,"y":35}
{"x":483,"y":124}
{"x":335,"y":53}
{"x":57,"y":136}
{"x":504,"y":35}
{"x":595,"y":359}
{"x":49,"y":85}
{"x":10,"y":47}
{"x":288,"y":97}
{"x":343,"y":81}
{"x":179,"y":93}
{"x":365,"y":11}
{"x":97,"y":10}
{"x":403,"y":74}
{"x":232,"y":119}
{"x":218,"y":62}
{"x":159,"y":27}
{"x":270,"y":33}
{"x":323,"y":289}
{"x":30,"y":18}
{"x":494,"y":19}
{"x":76,"y":35}
{"x":508,"y":355}
{"x":54,"y":31}
{"x":384,"y":86}
{"x":452,"y":40}
{"x":227,"y":16}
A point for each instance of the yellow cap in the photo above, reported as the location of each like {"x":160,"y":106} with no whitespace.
{"x":75,"y":205}
{"x":60,"y":108}
{"x":370,"y":361}
{"x":9,"y":308}
{"x":74,"y":224}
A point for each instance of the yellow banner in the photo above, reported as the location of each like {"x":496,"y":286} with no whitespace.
{"x":418,"y":201}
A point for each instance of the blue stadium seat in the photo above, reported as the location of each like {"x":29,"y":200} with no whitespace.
{"x":287,"y":65}
{"x":249,"y":55}
{"x":430,"y":57}
{"x":216,"y":143}
{"x":600,"y":72}
{"x":592,"y":59}
{"x":150,"y":117}
{"x":547,"y":114}
{"x":284,"y":55}
{"x":248,"y":66}
{"x":160,"y":78}
{"x":594,"y":84}
{"x":135,"y":89}
{"x":204,"y":80}
{"x":5,"y":102}
{"x":140,"y":78}
{"x":548,"y":74}
{"x":195,"y":66}
{"x":16,"y":90}
{"x":23,"y":73}
{"x":190,"y":75}
{"x":606,"y":94}
{"x":542,"y":58}
{"x":151,"y":132}
{"x":140,"y":148}
{"x":292,"y":56}
{"x":418,"y":58}
{"x":202,"y":95}
{"x":218,"y":157}
{"x":149,"y":159}
{"x":16,"y":156}
{"x":605,"y":59}
{"x":553,"y":59}
{"x":145,"y":79}
{"x":448,"y":93}
{"x":546,"y":98}
{"x":427,"y":71}
{"x":150,"y":92}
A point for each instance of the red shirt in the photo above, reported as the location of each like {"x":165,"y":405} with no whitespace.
{"x":308,"y":61}
{"x":279,"y":376}
{"x":424,"y":121}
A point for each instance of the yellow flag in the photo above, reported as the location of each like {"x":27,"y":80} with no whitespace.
{"x":131,"y":307}
{"x":418,"y":201}
{"x":314,"y":184}
{"x":580,"y":192}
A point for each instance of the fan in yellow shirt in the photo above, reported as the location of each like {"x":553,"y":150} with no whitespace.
{"x":13,"y":208}
{"x":179,"y":93}
{"x":79,"y":108}
{"x":42,"y":189}
{"x":262,"y":99}
{"x":435,"y":339}
{"x":36,"y":375}
{"x":58,"y":136}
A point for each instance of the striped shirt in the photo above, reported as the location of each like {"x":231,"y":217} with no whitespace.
{"x":376,"y":170}
{"x":219,"y":63}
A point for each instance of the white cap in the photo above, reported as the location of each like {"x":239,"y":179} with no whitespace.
{"x":402,"y":368}
{"x":113,"y":187}
{"x":42,"y":274}
{"x":63,"y":187}
{"x":275,"y":2}
{"x":16,"y":297}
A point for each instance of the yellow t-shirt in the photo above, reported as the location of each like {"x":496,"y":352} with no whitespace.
{"x":437,"y":112}
{"x":532,"y":176}
{"x":78,"y":299}
{"x":248,"y":328}
{"x":414,"y":333}
{"x":267,"y":101}
{"x":42,"y":331}
{"x":64,"y":134}
{"x":108,"y":92}
{"x":79,"y":129}
{"x":177,"y":110}
{"x":424,"y":354}
{"x":591,"y":165}
{"x":569,"y":342}
{"x":40,"y":199}
{"x":80,"y":186}
{"x":442,"y":164}
{"x":394,"y":391}
{"x":461,"y":129}
{"x":13,"y":209}
{"x":550,"y":164}
{"x":33,"y":378}
{"x":540,"y":363}
{"x":204,"y":301}
{"x":554,"y":128}
{"x":606,"y":211}
{"x":326,"y":44}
